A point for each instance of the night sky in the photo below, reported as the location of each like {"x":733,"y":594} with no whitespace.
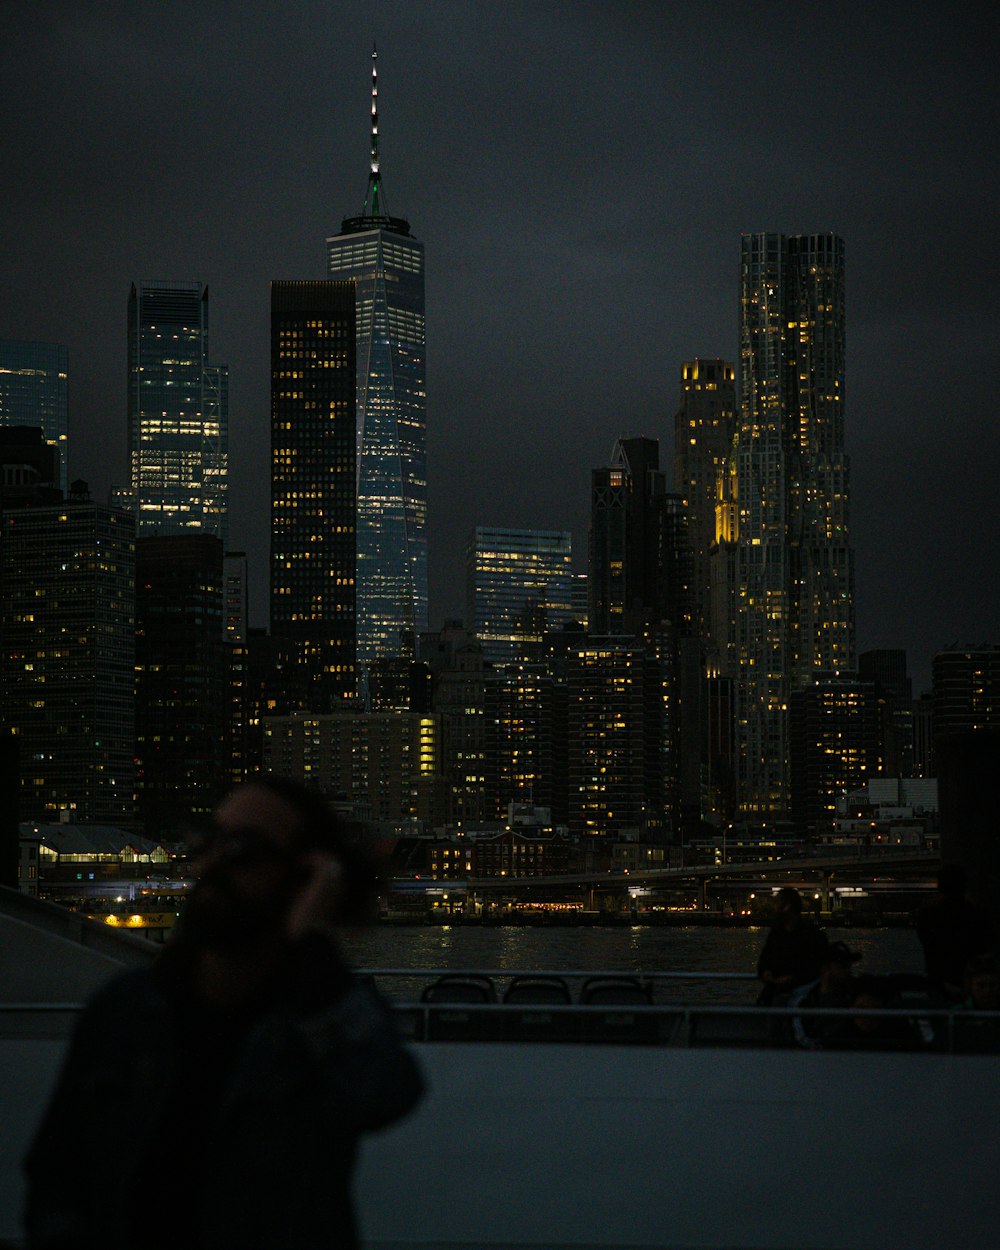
{"x":580,"y":174}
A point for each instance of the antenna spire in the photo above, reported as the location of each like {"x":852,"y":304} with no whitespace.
{"x":373,"y":200}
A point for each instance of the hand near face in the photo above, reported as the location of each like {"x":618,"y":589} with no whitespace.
{"x":316,"y":906}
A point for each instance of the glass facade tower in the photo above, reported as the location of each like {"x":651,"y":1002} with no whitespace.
{"x":178,"y":407}
{"x":519,"y":584}
{"x":33,"y":391}
{"x":796,"y":575}
{"x":387,"y":264}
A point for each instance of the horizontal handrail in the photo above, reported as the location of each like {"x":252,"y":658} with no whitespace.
{"x":576,"y":974}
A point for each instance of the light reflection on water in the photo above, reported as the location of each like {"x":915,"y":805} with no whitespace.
{"x":607,"y":949}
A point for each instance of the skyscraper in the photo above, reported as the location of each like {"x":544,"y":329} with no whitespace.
{"x":796,"y":572}
{"x":33,"y":391}
{"x":387,"y":262}
{"x":178,"y":412}
{"x":519,"y":584}
{"x":313,"y":493}
{"x":182,"y":670}
{"x":67,"y":661}
{"x":623,"y":557}
{"x":704,"y":425}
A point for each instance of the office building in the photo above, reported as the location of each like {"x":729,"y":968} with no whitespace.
{"x":519,"y":583}
{"x":178,"y":413}
{"x":182,"y":682}
{"x":34,"y":391}
{"x":67,"y":664}
{"x":313,"y":493}
{"x":923,"y":735}
{"x":796,"y":577}
{"x":704,"y":427}
{"x":387,"y":263}
{"x":623,"y":580}
{"x":641,"y":581}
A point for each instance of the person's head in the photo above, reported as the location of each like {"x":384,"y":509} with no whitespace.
{"x":838,"y":964}
{"x":267,"y":838}
{"x":982,"y":983}
{"x":789,"y":902}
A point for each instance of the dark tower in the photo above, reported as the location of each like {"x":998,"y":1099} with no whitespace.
{"x":312,"y":493}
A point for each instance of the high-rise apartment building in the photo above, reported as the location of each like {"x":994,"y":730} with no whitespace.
{"x":613,"y":738}
{"x":796,"y":576}
{"x":387,"y":263}
{"x":833,"y":746}
{"x":236,"y":638}
{"x":33,"y":392}
{"x":178,"y":413}
{"x":384,"y":763}
{"x":966,"y":691}
{"x":519,"y":583}
{"x":313,"y":493}
{"x":67,"y":658}
{"x":704,"y":426}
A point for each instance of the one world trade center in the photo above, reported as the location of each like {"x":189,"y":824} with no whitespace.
{"x":387,"y":264}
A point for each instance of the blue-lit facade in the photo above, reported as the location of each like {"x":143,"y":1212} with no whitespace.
{"x":387,"y":264}
{"x":519,"y":583}
{"x":33,"y":391}
{"x":178,"y":410}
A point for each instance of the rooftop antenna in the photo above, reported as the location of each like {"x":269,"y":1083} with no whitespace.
{"x":375,"y":198}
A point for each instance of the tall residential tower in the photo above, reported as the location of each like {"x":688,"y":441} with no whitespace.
{"x":387,"y":263}
{"x":796,"y":575}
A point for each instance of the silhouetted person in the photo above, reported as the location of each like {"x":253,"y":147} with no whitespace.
{"x":982,"y":993}
{"x":215,"y":1100}
{"x":835,"y":987}
{"x":952,"y":930}
{"x":793,"y":952}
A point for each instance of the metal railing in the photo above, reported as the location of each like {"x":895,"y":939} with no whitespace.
{"x":914,"y":1026}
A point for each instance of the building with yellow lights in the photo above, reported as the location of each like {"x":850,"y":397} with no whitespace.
{"x":795,"y":595}
{"x":386,"y":764}
{"x":178,"y":413}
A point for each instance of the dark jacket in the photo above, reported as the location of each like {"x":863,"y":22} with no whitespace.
{"x":797,"y":953}
{"x":174,"y":1123}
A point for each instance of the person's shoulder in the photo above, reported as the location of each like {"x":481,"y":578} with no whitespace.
{"x":128,"y":991}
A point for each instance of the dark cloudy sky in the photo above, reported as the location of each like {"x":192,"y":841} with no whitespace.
{"x":580,"y":174}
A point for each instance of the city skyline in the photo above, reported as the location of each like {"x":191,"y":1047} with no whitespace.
{"x":584,"y":216}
